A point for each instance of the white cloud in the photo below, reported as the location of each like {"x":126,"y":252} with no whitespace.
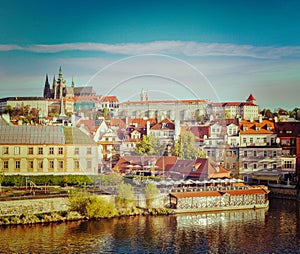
{"x":167,"y":47}
{"x":8,"y":47}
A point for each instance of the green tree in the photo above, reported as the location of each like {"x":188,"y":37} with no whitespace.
{"x":78,"y":200}
{"x":267,"y":114}
{"x":8,"y":109}
{"x":149,"y":145}
{"x":99,"y":207}
{"x":295,"y":113}
{"x":184,"y":147}
{"x":125,"y":196}
{"x":151,"y":192}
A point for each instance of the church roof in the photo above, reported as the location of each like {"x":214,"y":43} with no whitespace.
{"x":84,"y":90}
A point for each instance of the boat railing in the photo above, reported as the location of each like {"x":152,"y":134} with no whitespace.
{"x":206,"y":188}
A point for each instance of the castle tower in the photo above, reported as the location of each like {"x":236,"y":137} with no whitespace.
{"x":251,"y":99}
{"x":54,"y":86}
{"x":142,"y":95}
{"x":147,"y":96}
{"x":47,"y":91}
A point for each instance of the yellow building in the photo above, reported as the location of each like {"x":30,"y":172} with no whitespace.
{"x":46,"y":150}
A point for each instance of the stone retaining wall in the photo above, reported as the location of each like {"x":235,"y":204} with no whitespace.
{"x":283,"y":192}
{"x":33,"y":206}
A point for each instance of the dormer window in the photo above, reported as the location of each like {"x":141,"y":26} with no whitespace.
{"x":257,"y":128}
{"x":245,"y":128}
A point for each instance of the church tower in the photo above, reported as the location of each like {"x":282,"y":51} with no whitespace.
{"x":54,"y":86}
{"x":47,"y":91}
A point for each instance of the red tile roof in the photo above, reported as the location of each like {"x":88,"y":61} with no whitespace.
{"x":117,"y":122}
{"x":198,"y":131}
{"x":256,"y":127}
{"x":141,"y":122}
{"x":164,"y":124}
{"x":196,"y":194}
{"x":109,"y":99}
{"x":251,"y":98}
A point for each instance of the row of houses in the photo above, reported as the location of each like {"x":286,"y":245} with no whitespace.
{"x":245,"y":147}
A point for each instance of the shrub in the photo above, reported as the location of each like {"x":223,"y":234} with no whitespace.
{"x":99,"y":207}
{"x":125,"y":196}
{"x":78,"y":200}
{"x":151,"y":192}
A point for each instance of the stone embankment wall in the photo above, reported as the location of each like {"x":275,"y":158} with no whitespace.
{"x":33,"y":206}
{"x":289,"y":193}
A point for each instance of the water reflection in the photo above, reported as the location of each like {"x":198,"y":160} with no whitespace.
{"x":254,"y":231}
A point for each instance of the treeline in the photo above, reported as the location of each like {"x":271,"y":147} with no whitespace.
{"x":59,"y":180}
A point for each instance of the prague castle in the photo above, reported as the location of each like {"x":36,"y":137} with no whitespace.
{"x":61,"y":90}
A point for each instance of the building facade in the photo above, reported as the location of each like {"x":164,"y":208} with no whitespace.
{"x":46,"y":150}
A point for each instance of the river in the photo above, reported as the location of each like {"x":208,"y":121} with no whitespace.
{"x":276,"y":230}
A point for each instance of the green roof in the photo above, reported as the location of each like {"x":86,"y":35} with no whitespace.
{"x":43,"y":135}
{"x":75,"y":136}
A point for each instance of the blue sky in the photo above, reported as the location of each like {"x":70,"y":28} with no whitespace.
{"x":216,"y":50}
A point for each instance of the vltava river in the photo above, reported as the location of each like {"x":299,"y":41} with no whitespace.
{"x":276,"y":230}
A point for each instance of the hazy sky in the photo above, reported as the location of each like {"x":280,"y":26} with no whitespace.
{"x":216,"y":50}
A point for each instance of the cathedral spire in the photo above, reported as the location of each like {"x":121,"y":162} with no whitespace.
{"x":60,"y":75}
{"x":47,"y":91}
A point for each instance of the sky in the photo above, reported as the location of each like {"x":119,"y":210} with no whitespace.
{"x":214,"y":50}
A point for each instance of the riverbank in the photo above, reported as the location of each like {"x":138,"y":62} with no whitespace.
{"x":66,"y":216}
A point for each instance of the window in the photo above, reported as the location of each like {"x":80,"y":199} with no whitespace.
{"x":60,"y":150}
{"x":30,"y":164}
{"x":60,"y":164}
{"x":89,"y":164}
{"x":30,"y":150}
{"x":274,"y":166}
{"x":77,"y":164}
{"x":274,"y":153}
{"x":5,"y":150}
{"x":17,"y":150}
{"x":5,"y":164}
{"x":265,"y":154}
{"x":40,"y":164}
{"x":265,"y":166}
{"x":244,"y":140}
{"x":76,"y":151}
{"x":89,"y":150}
{"x":51,"y":150}
{"x":245,"y":166}
{"x":265,"y":140}
{"x":251,"y":140}
{"x":287,"y":164}
{"x":245,"y":153}
{"x":254,"y":153}
{"x":40,"y":150}
{"x":17,"y":164}
{"x":51,"y":164}
{"x":254,"y":166}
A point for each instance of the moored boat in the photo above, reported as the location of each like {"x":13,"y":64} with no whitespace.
{"x":249,"y":197}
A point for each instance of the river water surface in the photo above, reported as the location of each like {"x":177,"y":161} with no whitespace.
{"x":276,"y":230}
